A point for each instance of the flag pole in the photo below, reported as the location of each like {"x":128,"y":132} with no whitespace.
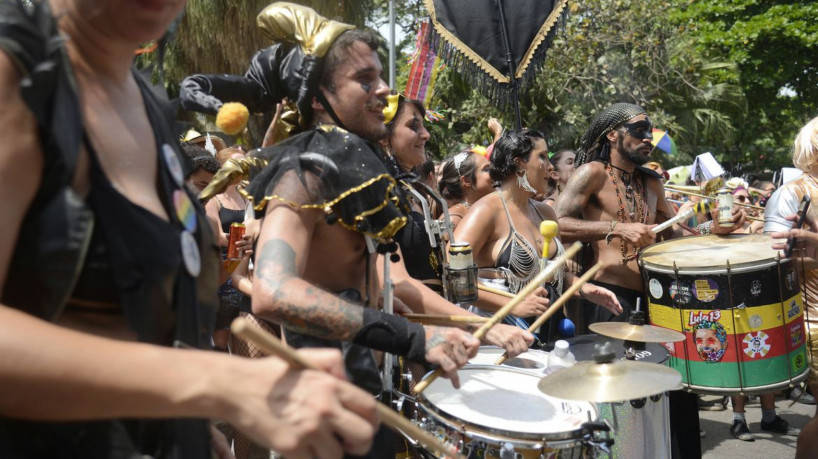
{"x":515,"y":96}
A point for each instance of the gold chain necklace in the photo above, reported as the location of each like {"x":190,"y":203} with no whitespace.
{"x":637,"y":210}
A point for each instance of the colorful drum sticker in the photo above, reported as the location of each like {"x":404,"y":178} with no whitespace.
{"x":793,"y":310}
{"x":755,"y":344}
{"x":755,"y":287}
{"x":709,"y":336}
{"x":185,"y":211}
{"x":190,"y":254}
{"x":796,"y":335}
{"x":655,"y":288}
{"x":706,"y":290}
{"x":680,"y":292}
{"x":791,"y":280}
{"x":174,"y":166}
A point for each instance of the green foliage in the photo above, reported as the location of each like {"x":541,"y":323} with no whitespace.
{"x":774,"y":45}
{"x":735,"y":77}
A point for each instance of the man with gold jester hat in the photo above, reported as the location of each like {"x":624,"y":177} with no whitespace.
{"x":324,"y":195}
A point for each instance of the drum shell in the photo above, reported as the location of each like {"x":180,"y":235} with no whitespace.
{"x":751,"y":311}
{"x":641,"y":428}
{"x":477,"y":440}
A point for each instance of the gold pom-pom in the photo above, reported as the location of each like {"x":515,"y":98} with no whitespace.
{"x":232,"y":118}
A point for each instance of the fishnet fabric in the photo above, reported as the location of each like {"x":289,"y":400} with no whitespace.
{"x":602,"y":124}
{"x":243,"y":447}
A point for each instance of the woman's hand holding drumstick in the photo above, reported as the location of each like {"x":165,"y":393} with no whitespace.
{"x":272,"y":345}
{"x":506,"y":309}
{"x":558,"y":304}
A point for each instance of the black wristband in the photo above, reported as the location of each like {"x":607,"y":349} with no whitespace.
{"x":392,"y":334}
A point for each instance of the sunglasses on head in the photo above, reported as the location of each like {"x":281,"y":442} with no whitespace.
{"x":641,"y":129}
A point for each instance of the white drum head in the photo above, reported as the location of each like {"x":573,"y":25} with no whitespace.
{"x":507,"y":401}
{"x":530,"y":360}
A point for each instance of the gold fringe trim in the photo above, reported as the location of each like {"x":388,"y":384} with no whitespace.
{"x":538,"y":39}
{"x":387,"y":232}
{"x":468,"y":52}
{"x":482,"y":63}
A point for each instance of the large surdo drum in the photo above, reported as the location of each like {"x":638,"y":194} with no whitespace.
{"x":739,"y":306}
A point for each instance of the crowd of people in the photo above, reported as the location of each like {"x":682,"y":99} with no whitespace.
{"x":117,"y":285}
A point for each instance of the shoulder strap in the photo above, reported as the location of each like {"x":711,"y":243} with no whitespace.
{"x":508,"y":215}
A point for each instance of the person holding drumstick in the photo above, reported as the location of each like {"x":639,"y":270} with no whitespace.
{"x":613,"y":202}
{"x":328,"y":202}
{"x":503,"y":228}
{"x":106,"y":259}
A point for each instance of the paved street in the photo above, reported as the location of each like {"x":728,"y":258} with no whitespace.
{"x":719,"y":444}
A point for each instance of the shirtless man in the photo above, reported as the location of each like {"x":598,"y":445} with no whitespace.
{"x":613,"y":202}
{"x":314,"y":270}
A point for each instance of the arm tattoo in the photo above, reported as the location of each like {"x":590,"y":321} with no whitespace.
{"x":570,"y":204}
{"x":435,"y":339}
{"x":299,"y":305}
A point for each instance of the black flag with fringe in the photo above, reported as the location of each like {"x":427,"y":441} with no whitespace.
{"x":468,"y":36}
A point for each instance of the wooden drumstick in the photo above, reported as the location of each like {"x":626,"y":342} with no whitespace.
{"x":557,"y":304}
{"x":486,"y":288}
{"x":699,"y":207}
{"x":444,"y":318}
{"x":543,"y":275}
{"x":272,"y":345}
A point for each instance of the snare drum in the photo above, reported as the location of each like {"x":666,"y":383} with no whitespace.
{"x":531,"y":360}
{"x":496,"y":406}
{"x":641,"y":428}
{"x":738,"y":304}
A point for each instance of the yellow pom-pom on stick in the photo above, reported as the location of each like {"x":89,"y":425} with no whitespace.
{"x":232,"y":118}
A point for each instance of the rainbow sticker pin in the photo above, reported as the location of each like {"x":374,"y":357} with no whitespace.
{"x":184,"y":210}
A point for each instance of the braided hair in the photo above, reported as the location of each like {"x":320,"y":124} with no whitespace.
{"x":594,"y":145}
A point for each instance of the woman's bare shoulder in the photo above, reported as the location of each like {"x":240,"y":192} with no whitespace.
{"x":20,"y":149}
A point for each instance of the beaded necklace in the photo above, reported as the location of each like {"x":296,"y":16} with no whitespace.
{"x":636,"y":206}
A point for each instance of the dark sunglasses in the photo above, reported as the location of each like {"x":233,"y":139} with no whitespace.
{"x":641,"y":129}
{"x":742,"y":198}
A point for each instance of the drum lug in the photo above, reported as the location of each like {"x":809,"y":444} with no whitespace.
{"x":399,"y":403}
{"x":592,"y":438}
{"x":639,"y":403}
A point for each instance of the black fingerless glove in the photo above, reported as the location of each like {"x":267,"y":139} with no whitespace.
{"x":392,"y":334}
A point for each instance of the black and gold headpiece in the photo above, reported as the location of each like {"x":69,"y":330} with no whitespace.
{"x":603,"y":123}
{"x":289,"y":68}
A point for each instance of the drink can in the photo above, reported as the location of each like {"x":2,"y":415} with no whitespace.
{"x":236,"y":233}
{"x":460,"y":256}
{"x":462,"y":274}
{"x":725,"y":203}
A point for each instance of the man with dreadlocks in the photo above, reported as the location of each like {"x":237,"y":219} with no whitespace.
{"x":612,"y":203}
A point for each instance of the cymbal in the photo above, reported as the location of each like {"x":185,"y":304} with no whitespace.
{"x":640,"y":333}
{"x":610,"y":382}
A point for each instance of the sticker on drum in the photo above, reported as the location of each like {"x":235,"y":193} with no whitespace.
{"x":655,"y":288}
{"x":755,"y":344}
{"x":508,"y":402}
{"x":680,"y":292}
{"x":531,"y":360}
{"x":706,"y":290}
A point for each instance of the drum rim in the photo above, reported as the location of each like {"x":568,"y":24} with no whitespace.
{"x":740,"y":267}
{"x":747,"y":390}
{"x":478,"y":430}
